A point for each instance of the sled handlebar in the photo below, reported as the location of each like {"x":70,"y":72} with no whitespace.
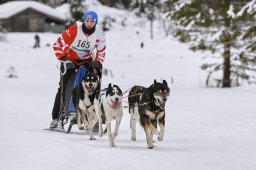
{"x":65,"y":62}
{"x":64,"y":65}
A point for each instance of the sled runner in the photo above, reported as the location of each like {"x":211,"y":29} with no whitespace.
{"x":65,"y":132}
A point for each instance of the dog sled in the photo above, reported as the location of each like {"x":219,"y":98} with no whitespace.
{"x":67,"y":114}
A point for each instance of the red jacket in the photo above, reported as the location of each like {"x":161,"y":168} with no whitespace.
{"x":74,"y":44}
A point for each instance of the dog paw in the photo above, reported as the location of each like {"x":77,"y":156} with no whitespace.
{"x":92,"y":138}
{"x":151,"y":147}
{"x":160,"y":138}
{"x":81,"y":128}
{"x":100,"y":133}
{"x":133,"y":139}
{"x":112,"y":145}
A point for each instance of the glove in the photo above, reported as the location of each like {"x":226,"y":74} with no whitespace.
{"x":97,"y":65}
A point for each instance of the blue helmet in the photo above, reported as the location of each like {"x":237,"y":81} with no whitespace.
{"x":91,"y":15}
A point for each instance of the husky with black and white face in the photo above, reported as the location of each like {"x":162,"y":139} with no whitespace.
{"x":83,"y":97}
{"x":108,"y":104}
{"x":147,"y":105}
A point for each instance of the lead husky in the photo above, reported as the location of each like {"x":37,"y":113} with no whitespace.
{"x":148,"y":106}
{"x":108,"y":103}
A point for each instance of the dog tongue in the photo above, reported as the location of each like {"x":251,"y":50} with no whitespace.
{"x":115,"y":104}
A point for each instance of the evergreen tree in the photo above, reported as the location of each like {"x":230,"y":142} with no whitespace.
{"x":215,"y":26}
{"x":247,"y":55}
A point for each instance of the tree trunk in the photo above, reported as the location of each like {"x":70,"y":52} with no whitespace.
{"x":226,"y":81}
{"x":165,"y":28}
{"x":151,"y":28}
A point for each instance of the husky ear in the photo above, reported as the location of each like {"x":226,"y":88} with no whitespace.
{"x":165,"y":83}
{"x":109,"y":85}
{"x":88,"y":70}
{"x":155,"y":81}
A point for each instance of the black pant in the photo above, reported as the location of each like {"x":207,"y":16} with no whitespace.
{"x":66,"y":77}
{"x":56,"y":107}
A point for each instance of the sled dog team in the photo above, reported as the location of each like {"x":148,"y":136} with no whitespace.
{"x":146,"y":105}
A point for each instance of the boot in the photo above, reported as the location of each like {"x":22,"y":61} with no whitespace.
{"x":54,"y":123}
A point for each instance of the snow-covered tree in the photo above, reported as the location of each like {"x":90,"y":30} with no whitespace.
{"x":148,"y":8}
{"x":77,"y":11}
{"x":152,"y":10}
{"x":247,"y":54}
{"x":224,"y":28}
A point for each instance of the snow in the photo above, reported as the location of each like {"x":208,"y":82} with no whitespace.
{"x":218,"y":33}
{"x":182,"y":3}
{"x":250,"y":7}
{"x":206,"y":128}
{"x":231,"y":12}
{"x":11,"y":8}
{"x":65,"y":10}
